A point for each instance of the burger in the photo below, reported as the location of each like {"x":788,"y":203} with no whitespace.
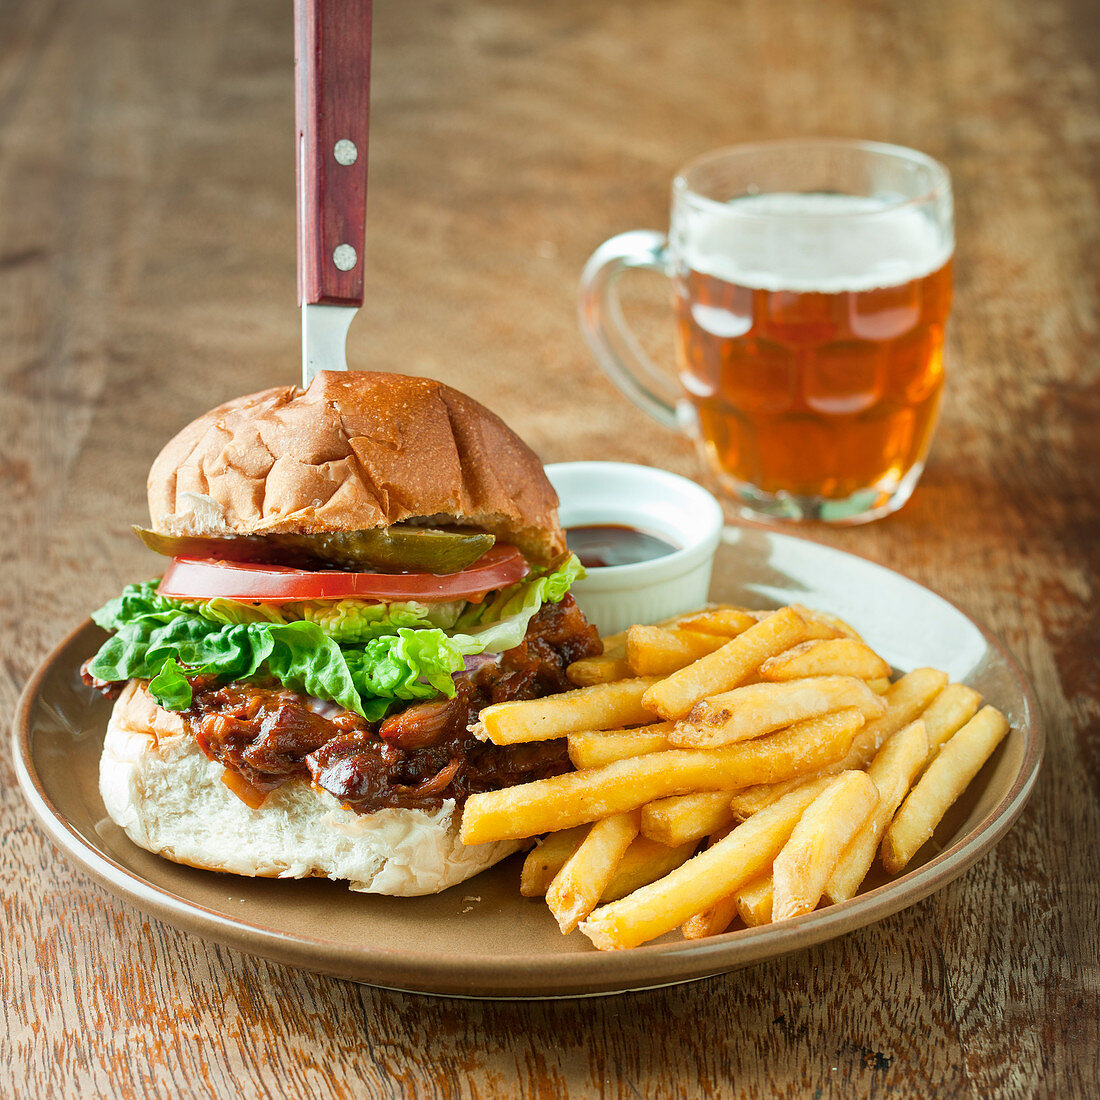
{"x":353,"y":571}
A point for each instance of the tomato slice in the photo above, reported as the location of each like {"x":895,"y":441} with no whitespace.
{"x":205,"y":578}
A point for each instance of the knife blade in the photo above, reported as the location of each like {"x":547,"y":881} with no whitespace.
{"x":332,"y":105}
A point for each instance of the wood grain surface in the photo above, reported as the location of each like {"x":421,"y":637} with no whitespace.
{"x":147,"y":244}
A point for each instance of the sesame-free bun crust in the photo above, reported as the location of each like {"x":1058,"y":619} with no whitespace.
{"x":355,"y":451}
{"x":158,"y":785}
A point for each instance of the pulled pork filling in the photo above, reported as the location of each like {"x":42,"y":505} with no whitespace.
{"x":416,"y":758}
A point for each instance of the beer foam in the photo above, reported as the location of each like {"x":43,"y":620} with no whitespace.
{"x":812,"y":243}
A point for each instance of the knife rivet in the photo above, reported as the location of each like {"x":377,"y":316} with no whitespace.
{"x":345,"y":152}
{"x":344,"y":257}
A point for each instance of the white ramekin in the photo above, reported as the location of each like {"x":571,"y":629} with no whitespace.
{"x":664,"y":504}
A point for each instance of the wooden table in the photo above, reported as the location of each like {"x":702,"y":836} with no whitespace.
{"x":147,"y":272}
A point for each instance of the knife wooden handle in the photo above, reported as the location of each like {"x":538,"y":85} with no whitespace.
{"x":332,"y":103}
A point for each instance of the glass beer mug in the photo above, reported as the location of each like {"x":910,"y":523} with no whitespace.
{"x":811,"y":286}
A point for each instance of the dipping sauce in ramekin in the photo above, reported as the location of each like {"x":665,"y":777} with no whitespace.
{"x":600,"y":545}
{"x":664,"y":506}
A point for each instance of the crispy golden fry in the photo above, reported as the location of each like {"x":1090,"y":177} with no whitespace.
{"x":726,"y":621}
{"x":823,"y":832}
{"x":577,"y":887}
{"x":659,"y":650}
{"x":594,"y":748}
{"x":837,"y":626}
{"x":720,"y":915}
{"x":756,"y":709}
{"x":547,"y":858}
{"x":563,"y":801}
{"x":614,"y":645}
{"x":906,"y":700}
{"x":713,"y":922}
{"x":724,"y":669}
{"x":605,"y":669}
{"x":827,"y":657}
{"x":892,"y":771}
{"x":750,"y":800}
{"x":700,"y":883}
{"x":754,"y":901}
{"x":686,"y":817}
{"x":723,"y":680}
{"x":645,"y":861}
{"x":948,"y":713}
{"x":589,"y":708}
{"x":946,"y":778}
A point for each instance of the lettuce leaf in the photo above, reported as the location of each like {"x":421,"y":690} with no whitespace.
{"x":360,"y":620}
{"x":360,"y":654}
{"x":502,"y":622}
{"x":170,"y":687}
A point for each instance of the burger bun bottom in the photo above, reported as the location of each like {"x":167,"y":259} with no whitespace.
{"x":159,"y":786}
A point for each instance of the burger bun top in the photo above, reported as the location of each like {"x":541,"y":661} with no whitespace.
{"x":357,"y":450}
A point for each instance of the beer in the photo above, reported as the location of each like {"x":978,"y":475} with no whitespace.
{"x":810,"y":342}
{"x":811,"y":286}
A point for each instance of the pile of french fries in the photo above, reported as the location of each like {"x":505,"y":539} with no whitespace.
{"x":730,"y":764}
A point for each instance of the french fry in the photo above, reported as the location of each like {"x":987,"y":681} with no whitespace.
{"x":725,"y":668}
{"x":827,"y":657}
{"x":802,"y":868}
{"x":756,"y":709}
{"x":700,"y":883}
{"x":605,"y":669}
{"x":892,"y":771}
{"x":686,"y":817}
{"x":645,"y":861}
{"x":659,"y":650}
{"x":833,"y":623}
{"x":673,"y":733}
{"x":754,"y":901}
{"x":713,"y":922}
{"x":751,"y":800}
{"x":588,"y":708}
{"x":906,"y":700}
{"x":726,"y":621}
{"x":720,"y":915}
{"x":946,"y":778}
{"x":547,"y":858}
{"x":562,"y":801}
{"x":594,"y":748}
{"x":614,"y":645}
{"x":948,"y":713}
{"x":577,"y":887}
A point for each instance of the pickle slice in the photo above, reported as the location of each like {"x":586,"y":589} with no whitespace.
{"x":424,"y":549}
{"x":397,"y":548}
{"x":247,"y":548}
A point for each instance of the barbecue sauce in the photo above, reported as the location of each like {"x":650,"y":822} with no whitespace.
{"x":602,"y":544}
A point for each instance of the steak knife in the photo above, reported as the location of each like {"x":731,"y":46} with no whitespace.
{"x":332,"y":104}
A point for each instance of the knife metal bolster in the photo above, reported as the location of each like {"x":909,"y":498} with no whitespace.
{"x":324,"y":338}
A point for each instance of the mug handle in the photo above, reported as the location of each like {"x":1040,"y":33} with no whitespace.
{"x":613,"y":344}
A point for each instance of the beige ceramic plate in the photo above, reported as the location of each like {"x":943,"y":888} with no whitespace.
{"x":481,"y":938}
